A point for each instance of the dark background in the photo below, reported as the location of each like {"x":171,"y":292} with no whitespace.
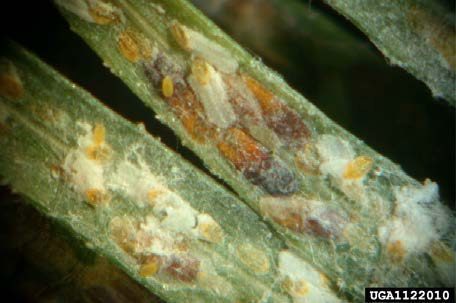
{"x":383,"y":105}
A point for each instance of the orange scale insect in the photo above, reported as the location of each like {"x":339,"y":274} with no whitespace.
{"x":150,"y":265}
{"x":189,"y":111}
{"x":290,"y":219}
{"x":242,"y":150}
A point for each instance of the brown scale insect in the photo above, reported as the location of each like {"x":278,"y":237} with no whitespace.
{"x":285,"y":122}
{"x":327,"y":224}
{"x":248,"y":113}
{"x":257,"y":164}
{"x":183,"y":269}
{"x":179,"y":96}
{"x":305,"y":217}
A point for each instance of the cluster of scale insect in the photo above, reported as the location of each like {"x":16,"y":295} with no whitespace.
{"x":160,"y":242}
{"x":218,"y":105}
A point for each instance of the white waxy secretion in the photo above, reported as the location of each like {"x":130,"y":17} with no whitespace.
{"x":170,"y":210}
{"x":335,"y":154}
{"x":84,"y":173}
{"x":208,"y":85}
{"x":303,"y":282}
{"x":418,"y":220}
{"x":346,"y":169}
{"x":135,"y":182}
